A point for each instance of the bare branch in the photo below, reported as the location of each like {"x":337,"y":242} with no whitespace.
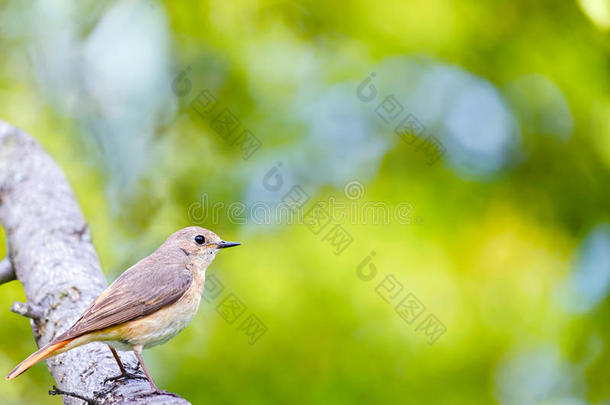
{"x":51,"y":253}
{"x":28,"y":310}
{"x":57,"y":391}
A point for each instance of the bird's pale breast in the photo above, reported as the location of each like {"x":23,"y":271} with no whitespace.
{"x":158,"y":327}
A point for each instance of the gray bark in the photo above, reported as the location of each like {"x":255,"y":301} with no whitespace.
{"x":51,"y":253}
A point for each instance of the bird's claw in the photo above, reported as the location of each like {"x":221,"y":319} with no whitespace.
{"x":124,"y":376}
{"x":158,"y":392}
{"x":163,"y":392}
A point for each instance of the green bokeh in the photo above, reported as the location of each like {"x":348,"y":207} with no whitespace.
{"x":486,"y":256}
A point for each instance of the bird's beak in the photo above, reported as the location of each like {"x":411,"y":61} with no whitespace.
{"x":222,"y":244}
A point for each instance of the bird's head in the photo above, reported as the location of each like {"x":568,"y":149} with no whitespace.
{"x":200,"y":243}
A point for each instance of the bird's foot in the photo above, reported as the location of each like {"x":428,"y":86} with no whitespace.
{"x":163,"y":392}
{"x":156,"y":391}
{"x":125,"y":376}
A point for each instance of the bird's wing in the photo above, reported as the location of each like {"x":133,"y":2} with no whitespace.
{"x":141,"y":290}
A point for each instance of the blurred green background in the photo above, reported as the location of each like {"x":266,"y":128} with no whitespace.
{"x":505,"y":239}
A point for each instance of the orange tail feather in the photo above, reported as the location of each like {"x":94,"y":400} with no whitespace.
{"x":34,"y":358}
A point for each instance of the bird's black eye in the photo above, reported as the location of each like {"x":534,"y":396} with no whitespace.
{"x":199,"y":239}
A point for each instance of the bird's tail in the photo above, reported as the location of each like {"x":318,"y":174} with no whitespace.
{"x":34,"y":358}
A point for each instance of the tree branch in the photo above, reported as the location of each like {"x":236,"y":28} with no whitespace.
{"x":51,"y":252}
{"x":28,"y":310}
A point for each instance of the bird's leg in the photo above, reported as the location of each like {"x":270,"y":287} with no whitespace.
{"x":154,"y":390}
{"x":118,"y":360}
{"x":124,"y":373}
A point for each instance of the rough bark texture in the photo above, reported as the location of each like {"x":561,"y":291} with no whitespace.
{"x":50,"y":251}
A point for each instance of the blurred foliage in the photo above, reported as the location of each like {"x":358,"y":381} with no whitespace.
{"x":489,"y":255}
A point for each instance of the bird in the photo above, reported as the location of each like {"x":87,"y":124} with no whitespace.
{"x":147,"y":305}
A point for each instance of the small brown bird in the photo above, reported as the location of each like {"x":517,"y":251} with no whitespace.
{"x":147,"y":305}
